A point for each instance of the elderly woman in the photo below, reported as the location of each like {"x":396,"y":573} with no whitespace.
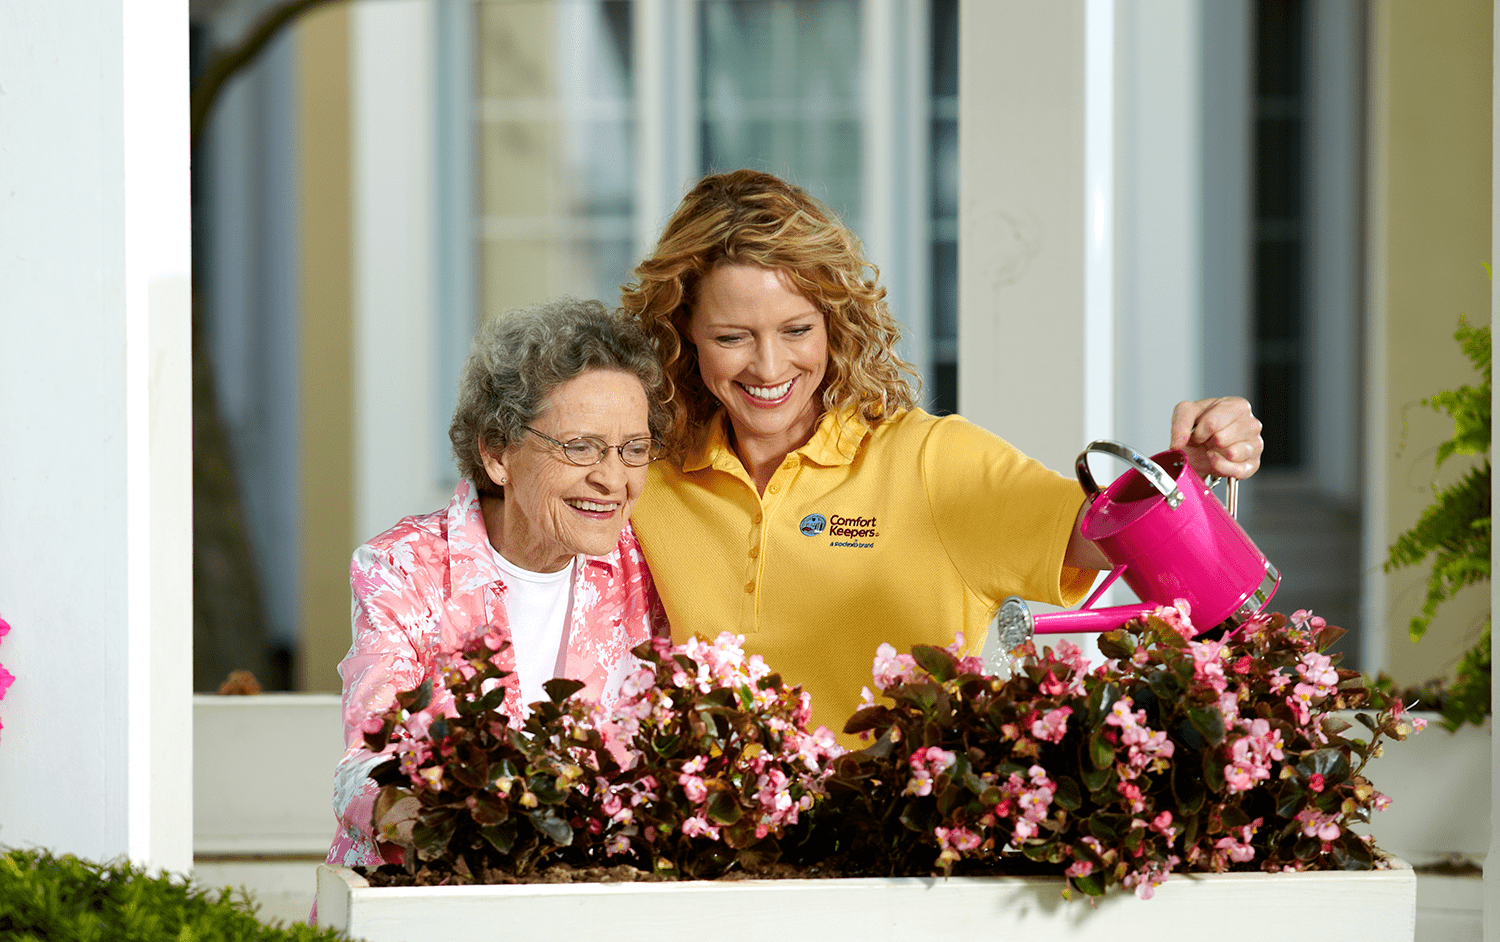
{"x":807,"y":502}
{"x":559,"y":414}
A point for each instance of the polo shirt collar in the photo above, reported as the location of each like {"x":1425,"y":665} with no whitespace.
{"x":835,"y":442}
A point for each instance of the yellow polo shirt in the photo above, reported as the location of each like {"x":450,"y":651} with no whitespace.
{"x":903,"y":533}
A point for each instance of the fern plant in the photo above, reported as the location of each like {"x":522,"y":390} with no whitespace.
{"x":1455,"y":529}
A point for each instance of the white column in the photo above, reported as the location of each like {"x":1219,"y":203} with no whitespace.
{"x":1161,"y":301}
{"x":1022,"y":217}
{"x":95,"y":430}
{"x":397,"y":469}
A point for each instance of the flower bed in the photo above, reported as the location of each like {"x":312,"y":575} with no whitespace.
{"x":1178,"y":754}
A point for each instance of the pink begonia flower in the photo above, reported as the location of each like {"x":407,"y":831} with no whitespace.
{"x":1302,"y":618}
{"x":891,"y":668}
{"x":1278,"y":681}
{"x":1179,"y":616}
{"x":434,"y":776}
{"x":4,"y":627}
{"x":618,"y":844}
{"x":698,"y":826}
{"x":1317,"y":824}
{"x":1317,"y":669}
{"x":1315,"y":782}
{"x":919,"y":784}
{"x":1079,"y":868}
{"x":611,"y":804}
{"x":1053,"y":726}
{"x":694,"y":788}
{"x":1162,"y":824}
{"x":1208,"y":666}
{"x":960,"y":839}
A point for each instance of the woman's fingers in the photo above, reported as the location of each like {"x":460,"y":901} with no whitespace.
{"x":1220,"y":436}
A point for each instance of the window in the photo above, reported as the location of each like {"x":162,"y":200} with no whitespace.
{"x":581,"y":122}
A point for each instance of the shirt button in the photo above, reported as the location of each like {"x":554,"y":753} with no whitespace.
{"x":755,"y":519}
{"x":774,"y":488}
{"x":754,"y":551}
{"x":750,"y":586}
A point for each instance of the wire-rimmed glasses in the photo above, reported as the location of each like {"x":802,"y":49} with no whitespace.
{"x":587,"y":451}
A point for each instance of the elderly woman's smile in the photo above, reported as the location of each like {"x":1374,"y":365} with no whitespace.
{"x":554,"y":509}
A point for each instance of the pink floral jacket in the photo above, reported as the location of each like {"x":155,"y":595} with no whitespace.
{"x":424,"y":588}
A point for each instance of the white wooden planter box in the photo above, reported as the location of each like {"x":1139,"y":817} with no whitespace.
{"x":1439,"y":785}
{"x":1370,"y":906}
{"x":263,"y":773}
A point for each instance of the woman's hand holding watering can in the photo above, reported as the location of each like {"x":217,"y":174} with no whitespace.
{"x":1220,"y":436}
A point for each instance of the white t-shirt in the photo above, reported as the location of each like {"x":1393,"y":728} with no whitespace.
{"x":538,"y":605}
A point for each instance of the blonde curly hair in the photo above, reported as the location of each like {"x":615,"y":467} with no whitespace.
{"x":751,"y":218}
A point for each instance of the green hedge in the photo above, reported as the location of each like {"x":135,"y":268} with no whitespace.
{"x":43,"y":897}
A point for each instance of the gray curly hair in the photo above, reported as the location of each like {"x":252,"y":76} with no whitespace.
{"x":519,"y":358}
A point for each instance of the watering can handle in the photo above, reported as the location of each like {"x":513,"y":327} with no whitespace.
{"x":1231,"y":492}
{"x":1154,"y":472}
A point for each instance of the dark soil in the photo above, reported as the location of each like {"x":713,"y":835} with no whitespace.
{"x":395,"y":875}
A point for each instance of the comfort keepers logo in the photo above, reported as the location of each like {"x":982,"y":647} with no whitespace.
{"x":852,"y":532}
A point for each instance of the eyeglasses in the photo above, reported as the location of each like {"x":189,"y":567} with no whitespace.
{"x":586,"y":452}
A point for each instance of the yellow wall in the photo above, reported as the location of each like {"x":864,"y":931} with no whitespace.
{"x":1430,"y":222}
{"x":327,"y":343}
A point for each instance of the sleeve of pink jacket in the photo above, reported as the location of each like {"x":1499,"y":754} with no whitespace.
{"x":390,"y":611}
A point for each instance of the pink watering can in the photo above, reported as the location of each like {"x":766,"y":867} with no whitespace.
{"x":1168,"y":536}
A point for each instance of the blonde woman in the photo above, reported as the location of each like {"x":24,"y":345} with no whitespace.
{"x":806,"y":502}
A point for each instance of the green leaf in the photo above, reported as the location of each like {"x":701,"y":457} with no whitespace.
{"x":1101,"y":700}
{"x":723,"y":809}
{"x":870,"y":718}
{"x":1307,"y":848}
{"x":1118,"y":645}
{"x":1067,"y":795}
{"x":415,"y":700}
{"x":1090,"y":885}
{"x":1188,"y":788}
{"x":555,"y":828}
{"x":472,"y":767}
{"x":1101,"y":750}
{"x":935,"y":661}
{"x":1213,"y":770}
{"x":1189,"y":825}
{"x":544,"y":787}
{"x":1097,"y":781}
{"x":1208,"y":721}
{"x":1289,"y":802}
{"x":1108,"y":827}
{"x":1167,"y":686}
{"x":561,"y":688}
{"x":1332,"y":764}
{"x":431,"y":837}
{"x":718,"y":697}
{"x":500,"y":836}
